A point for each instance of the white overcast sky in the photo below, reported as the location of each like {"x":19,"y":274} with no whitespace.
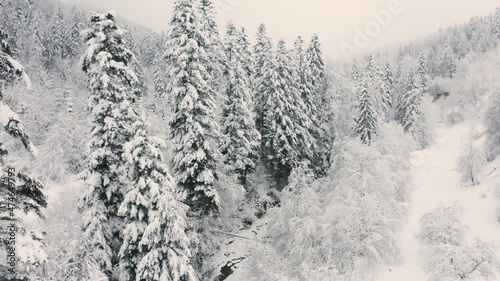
{"x":335,"y":21}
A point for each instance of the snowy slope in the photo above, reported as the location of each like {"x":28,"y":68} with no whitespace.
{"x":232,"y":260}
{"x":436,"y":180}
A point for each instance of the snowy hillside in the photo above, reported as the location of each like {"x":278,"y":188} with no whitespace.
{"x":192,"y":155}
{"x":436,"y":180}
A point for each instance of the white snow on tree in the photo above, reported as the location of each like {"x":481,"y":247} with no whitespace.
{"x":287,"y":138}
{"x":388,"y":89}
{"x":241,"y":140}
{"x":367,"y":119}
{"x":355,"y":73}
{"x":305,"y":84}
{"x":214,"y":49}
{"x":318,"y":71}
{"x":247,"y":57}
{"x":55,"y":41}
{"x":492,"y":121}
{"x":345,"y":222}
{"x":263,"y":54}
{"x":194,"y":129}
{"x":409,"y":112}
{"x":20,"y":194}
{"x":496,"y":23}
{"x":378,"y":87}
{"x":112,"y":84}
{"x":155,"y":245}
{"x":422,"y":73}
{"x":452,"y":254}
{"x":471,"y":163}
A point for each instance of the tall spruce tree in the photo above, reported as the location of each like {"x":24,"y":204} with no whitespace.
{"x":422,"y":73}
{"x":248,"y":60}
{"x":194,"y":129}
{"x":155,"y":246}
{"x":386,"y":88}
{"x":263,"y":71}
{"x":304,"y":82}
{"x":241,"y":143}
{"x":318,"y":72}
{"x":107,"y":63}
{"x":388,"y":78}
{"x":287,"y":140}
{"x":367,"y":119}
{"x":409,"y":110}
{"x":377,"y":86}
{"x":214,"y":48}
{"x":305,"y":79}
{"x":355,"y":73}
{"x":74,"y":42}
{"x":54,"y":45}
{"x":496,"y":23}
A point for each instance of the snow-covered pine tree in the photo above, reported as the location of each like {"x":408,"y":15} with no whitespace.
{"x":409,"y":110}
{"x":355,"y":73}
{"x":155,"y":246}
{"x":377,"y":86}
{"x":241,"y":142}
{"x":287,"y":139}
{"x":76,"y":25}
{"x":15,"y":18}
{"x":422,"y":73}
{"x":318,"y":72}
{"x":248,"y":60}
{"x":194,"y":129}
{"x":304,"y":82}
{"x":214,"y":48}
{"x":496,"y":23}
{"x":19,"y":192}
{"x":366,"y":122}
{"x":388,"y":79}
{"x":161,"y":99}
{"x":492,"y":121}
{"x":263,"y":71}
{"x":447,"y":63}
{"x":54,"y":45}
{"x":107,"y":63}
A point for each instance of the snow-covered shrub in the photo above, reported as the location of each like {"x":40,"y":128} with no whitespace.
{"x":293,"y":227}
{"x":449,"y":255}
{"x":442,"y":226}
{"x":343,"y":226}
{"x":396,"y":146}
{"x":476,"y":82}
{"x":471,"y":163}
{"x":364,"y":212}
{"x":463,"y":262}
{"x":267,"y":264}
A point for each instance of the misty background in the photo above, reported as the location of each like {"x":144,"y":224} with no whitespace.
{"x":334,"y":21}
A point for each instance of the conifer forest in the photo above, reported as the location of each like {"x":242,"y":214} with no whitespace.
{"x":216,"y":151}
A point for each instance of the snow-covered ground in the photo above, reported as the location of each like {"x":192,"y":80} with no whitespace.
{"x":235,"y":253}
{"x":437,"y":180}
